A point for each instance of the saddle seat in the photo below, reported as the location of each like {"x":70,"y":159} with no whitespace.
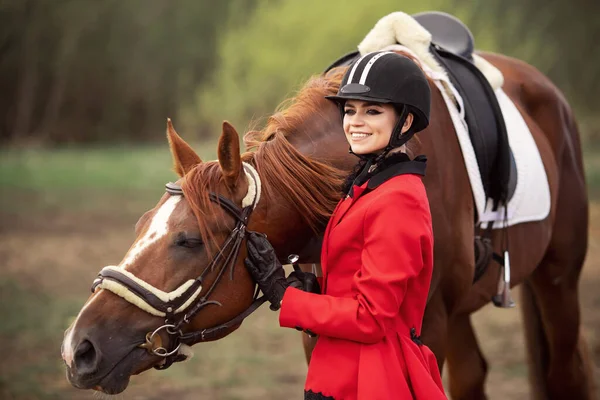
{"x":448,"y":32}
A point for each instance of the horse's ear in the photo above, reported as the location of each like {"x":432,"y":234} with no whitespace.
{"x":184,"y":157}
{"x":229,"y":154}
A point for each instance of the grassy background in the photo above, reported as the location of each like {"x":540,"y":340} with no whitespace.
{"x":66,"y":213}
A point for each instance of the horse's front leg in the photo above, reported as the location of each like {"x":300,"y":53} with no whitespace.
{"x":435,"y":327}
{"x":467,"y":368}
{"x":309,"y":344}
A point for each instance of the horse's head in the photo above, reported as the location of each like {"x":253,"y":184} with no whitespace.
{"x":181,"y":282}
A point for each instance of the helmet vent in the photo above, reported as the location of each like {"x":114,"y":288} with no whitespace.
{"x":355,"y":88}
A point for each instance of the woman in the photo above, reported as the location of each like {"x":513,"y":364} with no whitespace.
{"x":377,"y":253}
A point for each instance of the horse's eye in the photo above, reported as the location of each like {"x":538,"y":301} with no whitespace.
{"x":190,"y":243}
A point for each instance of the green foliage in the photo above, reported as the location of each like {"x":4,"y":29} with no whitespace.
{"x":556,"y":37}
{"x":92,"y":71}
{"x":113,"y":71}
{"x":281,"y":45}
{"x":114,"y":168}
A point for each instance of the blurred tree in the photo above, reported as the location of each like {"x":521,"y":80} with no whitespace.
{"x":285,"y":42}
{"x":110,"y":70}
{"x":558,"y":38}
{"x":84,"y":70}
{"x":281,"y":45}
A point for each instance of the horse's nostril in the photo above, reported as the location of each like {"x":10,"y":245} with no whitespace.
{"x":86,"y":358}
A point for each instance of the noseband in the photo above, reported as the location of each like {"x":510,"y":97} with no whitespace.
{"x":186,"y":298}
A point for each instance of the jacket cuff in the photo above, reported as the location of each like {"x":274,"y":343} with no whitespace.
{"x":291,"y":308}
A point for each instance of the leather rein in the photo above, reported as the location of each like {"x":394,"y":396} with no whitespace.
{"x":188,"y":297}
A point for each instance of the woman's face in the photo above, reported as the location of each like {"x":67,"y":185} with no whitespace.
{"x":368,"y":126}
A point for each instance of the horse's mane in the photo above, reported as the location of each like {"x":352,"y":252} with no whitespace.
{"x":313,"y":188}
{"x":291,"y":113}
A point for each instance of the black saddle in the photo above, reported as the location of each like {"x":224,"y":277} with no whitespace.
{"x":453,"y":46}
{"x":448,"y":32}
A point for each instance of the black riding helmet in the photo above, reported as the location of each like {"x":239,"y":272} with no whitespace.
{"x":388,"y":77}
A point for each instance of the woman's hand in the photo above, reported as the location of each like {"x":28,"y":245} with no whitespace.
{"x":266,"y":270}
{"x":269,"y":275}
{"x":308,"y":281}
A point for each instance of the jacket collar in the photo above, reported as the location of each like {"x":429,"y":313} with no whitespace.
{"x":399,"y":165}
{"x":416,"y":166}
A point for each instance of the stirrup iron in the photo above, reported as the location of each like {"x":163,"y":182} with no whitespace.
{"x":503,"y":298}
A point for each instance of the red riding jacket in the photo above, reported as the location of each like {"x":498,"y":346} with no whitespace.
{"x":377,"y":260}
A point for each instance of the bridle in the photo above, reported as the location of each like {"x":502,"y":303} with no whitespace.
{"x":186,"y":298}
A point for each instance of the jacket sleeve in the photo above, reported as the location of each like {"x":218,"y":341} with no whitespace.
{"x":397,"y":229}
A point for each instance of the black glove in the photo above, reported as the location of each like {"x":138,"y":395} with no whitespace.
{"x":308,"y":281}
{"x":266,"y":270}
{"x":310,"y":284}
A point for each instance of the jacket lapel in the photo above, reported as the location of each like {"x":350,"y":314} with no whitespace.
{"x":357,"y":192}
{"x":326,"y":245}
{"x":341,"y":210}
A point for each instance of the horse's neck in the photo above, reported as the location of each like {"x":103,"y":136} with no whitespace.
{"x":323,"y":140}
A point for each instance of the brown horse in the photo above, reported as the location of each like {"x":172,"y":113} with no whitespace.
{"x":301,"y":158}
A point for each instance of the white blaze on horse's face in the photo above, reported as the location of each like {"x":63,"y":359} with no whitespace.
{"x":157,"y":229}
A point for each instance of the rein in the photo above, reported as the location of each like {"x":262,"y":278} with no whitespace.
{"x":186,"y":298}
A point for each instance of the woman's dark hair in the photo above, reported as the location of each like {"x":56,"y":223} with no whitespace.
{"x":352,"y":177}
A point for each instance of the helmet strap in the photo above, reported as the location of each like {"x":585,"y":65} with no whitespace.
{"x":397,"y":139}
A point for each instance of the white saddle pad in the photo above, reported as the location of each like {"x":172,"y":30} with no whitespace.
{"x":531,"y":200}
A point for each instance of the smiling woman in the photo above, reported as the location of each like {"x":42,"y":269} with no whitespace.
{"x":368,"y":125}
{"x":376,"y":274}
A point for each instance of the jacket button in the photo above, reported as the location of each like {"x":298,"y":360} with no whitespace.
{"x":298,"y":328}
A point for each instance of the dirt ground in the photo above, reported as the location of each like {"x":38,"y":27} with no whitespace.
{"x":49,"y":259}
